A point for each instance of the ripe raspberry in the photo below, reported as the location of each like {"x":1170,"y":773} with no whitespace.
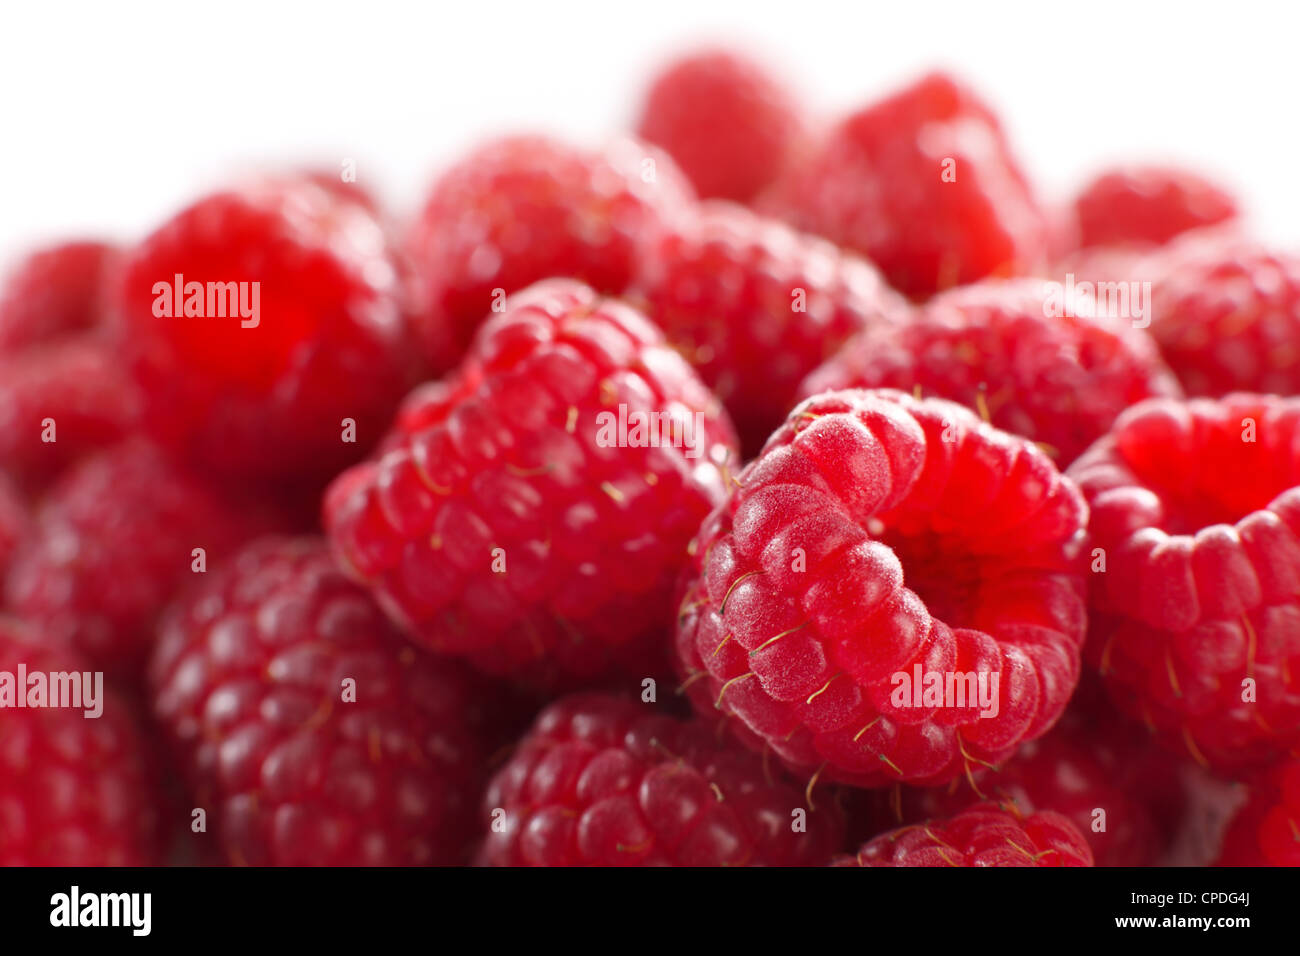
{"x":1059,"y":380}
{"x":294,"y":764}
{"x":509,"y":523}
{"x":984,"y":835}
{"x":14,"y":525}
{"x":877,"y":536}
{"x":1226,"y":316}
{"x":1266,"y":831}
{"x":755,"y":306}
{"x":52,"y":291}
{"x":113,"y":542}
{"x":600,"y":781}
{"x":72,"y":392}
{"x":731,"y":127}
{"x":924,"y":185}
{"x":526,"y":208}
{"x":1196,"y":512}
{"x":266,"y":396}
{"x":74,"y":790}
{"x":1149,"y":204}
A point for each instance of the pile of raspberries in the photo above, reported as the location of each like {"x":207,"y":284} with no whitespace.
{"x":760,"y":489}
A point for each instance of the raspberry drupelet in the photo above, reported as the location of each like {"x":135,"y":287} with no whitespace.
{"x":1194,"y":615}
{"x":602,"y":781}
{"x":531,"y":512}
{"x":876,"y":537}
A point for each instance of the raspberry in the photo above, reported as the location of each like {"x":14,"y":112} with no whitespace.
{"x":52,"y":291}
{"x":60,"y":402}
{"x":876,"y":540}
{"x":731,"y":127}
{"x":924,"y":185}
{"x":1195,"y":622}
{"x":525,"y":208}
{"x":755,"y":306}
{"x":504,"y":525}
{"x":599,"y":781}
{"x":1150,"y":204}
{"x":266,"y":395}
{"x":74,"y":790}
{"x":1226,"y":316}
{"x":984,"y":835}
{"x":113,"y":541}
{"x":14,"y":525}
{"x":1057,"y":380}
{"x":251,"y":680}
{"x":1266,"y":831}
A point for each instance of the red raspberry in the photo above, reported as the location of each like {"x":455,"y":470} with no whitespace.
{"x":601,"y":781}
{"x":755,"y":307}
{"x":1059,"y":380}
{"x":52,"y":291}
{"x":1266,"y":831}
{"x":1148,"y":204}
{"x":984,"y":835}
{"x":1226,"y":316}
{"x":924,"y":185}
{"x":504,"y":525}
{"x":877,"y":536}
{"x":74,"y":392}
{"x":526,"y":208}
{"x":731,"y":127}
{"x":251,"y":681}
{"x":113,"y":542}
{"x":1196,"y":513}
{"x":74,"y":790}
{"x":14,"y":525}
{"x":267,"y":395}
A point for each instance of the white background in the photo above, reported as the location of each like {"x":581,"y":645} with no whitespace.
{"x":114,"y":115}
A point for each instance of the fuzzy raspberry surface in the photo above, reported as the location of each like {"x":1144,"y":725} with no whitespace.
{"x":268,"y":400}
{"x":503,"y":523}
{"x":601,"y":781}
{"x":1266,"y":830}
{"x":876,"y":185}
{"x":1057,"y":379}
{"x":112,"y":542}
{"x":73,"y":391}
{"x":1226,"y":315}
{"x":521,"y":209}
{"x":876,"y":534}
{"x":731,"y":126}
{"x":1148,"y":204}
{"x":756,"y":306}
{"x":74,"y":790}
{"x":52,"y":291}
{"x":984,"y":835}
{"x":1195,"y":622}
{"x":250,"y":682}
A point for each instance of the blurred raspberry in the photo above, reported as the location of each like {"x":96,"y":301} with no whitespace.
{"x":311,"y":733}
{"x":509,"y":521}
{"x":14,"y":525}
{"x":729,"y":124}
{"x":266,"y":395}
{"x":525,"y":208}
{"x":112,"y":542}
{"x":1266,"y":830}
{"x":755,"y":306}
{"x":600,"y":781}
{"x":984,"y":835}
{"x":1148,"y":204}
{"x":52,"y":291}
{"x":924,"y":185}
{"x":74,"y":790}
{"x":1058,"y":379}
{"x":1226,"y":315}
{"x":1194,"y":617}
{"x":877,"y":544}
{"x":60,"y":402}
